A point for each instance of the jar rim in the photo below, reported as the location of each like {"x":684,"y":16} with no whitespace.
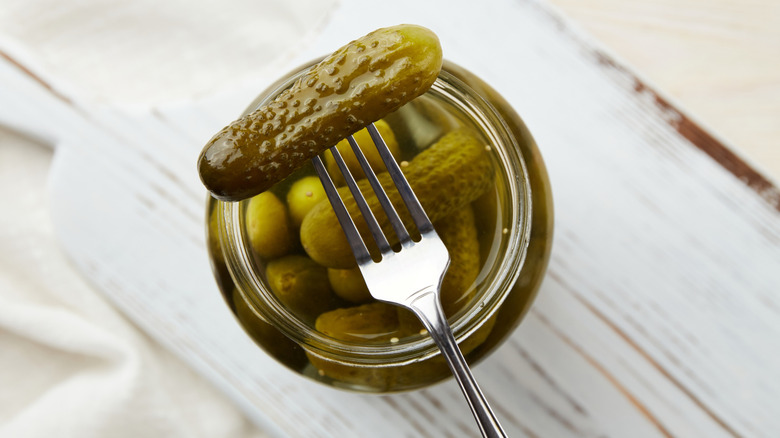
{"x":501,"y":278}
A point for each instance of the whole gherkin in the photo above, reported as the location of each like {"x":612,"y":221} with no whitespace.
{"x":356,"y":85}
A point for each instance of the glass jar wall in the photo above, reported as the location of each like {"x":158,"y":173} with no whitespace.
{"x":287,"y":304}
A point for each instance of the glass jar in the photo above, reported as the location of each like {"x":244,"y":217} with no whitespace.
{"x":515,"y":223}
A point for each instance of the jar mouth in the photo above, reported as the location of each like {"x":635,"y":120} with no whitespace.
{"x":495,"y":285}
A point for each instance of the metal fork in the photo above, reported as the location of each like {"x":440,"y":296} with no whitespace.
{"x":423,"y":264}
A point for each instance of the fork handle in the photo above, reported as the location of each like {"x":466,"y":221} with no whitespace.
{"x":428,"y":309}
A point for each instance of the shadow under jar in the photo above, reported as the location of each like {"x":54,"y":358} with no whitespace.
{"x":377,"y":347}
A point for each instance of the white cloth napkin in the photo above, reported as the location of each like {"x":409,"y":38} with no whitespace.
{"x":70,"y":364}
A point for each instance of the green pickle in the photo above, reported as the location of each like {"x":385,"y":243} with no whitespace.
{"x":268,"y":226}
{"x":303,"y":195}
{"x":366,"y":145}
{"x":356,"y":85}
{"x":448,"y":175}
{"x":458,"y":231}
{"x":327,"y":319}
{"x":375,"y":323}
{"x":301,"y":285}
{"x":370,"y":323}
{"x":349,"y":285}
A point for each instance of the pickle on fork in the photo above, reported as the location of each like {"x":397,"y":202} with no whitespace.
{"x":356,"y":85}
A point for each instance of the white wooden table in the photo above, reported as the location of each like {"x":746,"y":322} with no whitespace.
{"x":660,"y":315}
{"x":717,"y":58}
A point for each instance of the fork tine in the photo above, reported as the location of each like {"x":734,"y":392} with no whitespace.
{"x":353,"y":236}
{"x":384,"y":201}
{"x":410,"y":199}
{"x":365,"y":210}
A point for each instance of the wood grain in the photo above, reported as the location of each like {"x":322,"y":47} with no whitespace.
{"x":659,"y":316}
{"x":717,"y":59}
{"x":701,"y":138}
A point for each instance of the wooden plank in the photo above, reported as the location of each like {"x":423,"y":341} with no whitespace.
{"x":717,"y":58}
{"x":660,"y":311}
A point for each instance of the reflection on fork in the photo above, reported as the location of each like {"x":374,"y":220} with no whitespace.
{"x":421,"y":263}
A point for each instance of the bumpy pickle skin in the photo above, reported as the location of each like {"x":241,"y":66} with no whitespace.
{"x":268,"y":226}
{"x":369,"y":323}
{"x":458,"y":231}
{"x":356,"y":85}
{"x":301,"y":285}
{"x":366,"y":145}
{"x":459,"y":234}
{"x":445,"y":177}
